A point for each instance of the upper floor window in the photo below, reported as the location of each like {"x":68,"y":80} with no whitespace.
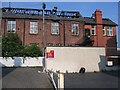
{"x":104,"y":31}
{"x":11,"y":26}
{"x":33,"y":27}
{"x":93,"y":30}
{"x":55,"y":28}
{"x":110,"y":31}
{"x":75,"y":29}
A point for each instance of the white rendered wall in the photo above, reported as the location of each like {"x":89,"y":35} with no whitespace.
{"x":71,"y":59}
{"x":18,"y":62}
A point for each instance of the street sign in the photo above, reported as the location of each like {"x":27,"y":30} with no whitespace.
{"x":50,"y":54}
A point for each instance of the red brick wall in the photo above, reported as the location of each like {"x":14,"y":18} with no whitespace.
{"x":27,"y":38}
{"x":20,"y":28}
{"x":71,"y":39}
{"x":23,"y":30}
{"x":55,"y":39}
{"x":3,"y":26}
{"x":99,"y":39}
{"x":98,"y":16}
{"x":110,"y":41}
{"x":32,"y":38}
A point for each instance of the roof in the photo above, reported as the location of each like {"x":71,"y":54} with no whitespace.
{"x":89,"y":20}
{"x":25,"y":13}
{"x":105,"y":21}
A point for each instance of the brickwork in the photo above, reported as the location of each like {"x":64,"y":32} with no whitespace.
{"x":99,"y":39}
{"x":65,"y":36}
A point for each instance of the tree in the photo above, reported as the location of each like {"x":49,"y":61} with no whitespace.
{"x":32,"y":51}
{"x":11,"y":45}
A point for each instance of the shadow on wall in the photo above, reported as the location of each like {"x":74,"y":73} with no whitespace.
{"x":102,"y":63}
{"x":2,"y":65}
{"x":111,"y":46}
{"x":6,"y":70}
{"x":17,"y":61}
{"x":112,"y":42}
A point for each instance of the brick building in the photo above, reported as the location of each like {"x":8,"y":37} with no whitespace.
{"x":62,"y":28}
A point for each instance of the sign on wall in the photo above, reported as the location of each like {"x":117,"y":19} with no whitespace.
{"x":50,"y":54}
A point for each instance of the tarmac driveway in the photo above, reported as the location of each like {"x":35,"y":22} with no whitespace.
{"x":24,"y":78}
{"x":93,"y":80}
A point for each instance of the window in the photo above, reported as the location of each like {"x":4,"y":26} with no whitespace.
{"x":104,"y":31}
{"x":55,"y":28}
{"x":11,"y":26}
{"x":87,"y":33}
{"x":93,"y":31}
{"x":75,"y":29}
{"x":33,"y":27}
{"x":110,"y":31}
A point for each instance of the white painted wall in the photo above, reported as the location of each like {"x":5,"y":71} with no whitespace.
{"x":73,"y":58}
{"x":18,"y":61}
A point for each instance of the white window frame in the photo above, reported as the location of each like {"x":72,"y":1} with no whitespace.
{"x":104,"y":31}
{"x":94,"y":30}
{"x":74,"y":26}
{"x":55,"y":28}
{"x":110,"y":31}
{"x":33,"y":27}
{"x":11,"y":23}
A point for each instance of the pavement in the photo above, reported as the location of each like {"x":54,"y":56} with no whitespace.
{"x":25,"y":78}
{"x":31,"y":78}
{"x":92,"y":80}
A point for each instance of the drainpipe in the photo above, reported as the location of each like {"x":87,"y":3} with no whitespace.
{"x":24,"y":33}
{"x":97,"y":33}
{"x":83,"y":31}
{"x":64,"y":33}
{"x":4,"y":27}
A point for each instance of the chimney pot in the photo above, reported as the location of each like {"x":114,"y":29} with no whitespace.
{"x":98,"y":16}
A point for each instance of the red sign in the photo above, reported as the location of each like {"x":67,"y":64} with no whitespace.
{"x":50,"y":54}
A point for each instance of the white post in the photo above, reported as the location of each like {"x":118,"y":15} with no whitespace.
{"x":60,"y":81}
{"x":51,"y":74}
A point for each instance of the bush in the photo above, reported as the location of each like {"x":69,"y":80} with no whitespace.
{"x":32,"y":51}
{"x":12,"y":46}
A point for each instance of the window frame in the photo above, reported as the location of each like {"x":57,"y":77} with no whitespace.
{"x":33,"y":27}
{"x":11,"y":26}
{"x":110,"y":31}
{"x":104,"y":31}
{"x":55,"y":26}
{"x":76,"y":25}
{"x":93,"y":29}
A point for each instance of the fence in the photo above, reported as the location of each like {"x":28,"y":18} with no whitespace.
{"x":21,"y":62}
{"x":57,"y":79}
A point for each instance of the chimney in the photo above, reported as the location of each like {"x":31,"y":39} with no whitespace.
{"x":93,"y":15}
{"x":98,"y":16}
{"x":54,"y":10}
{"x":99,"y":34}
